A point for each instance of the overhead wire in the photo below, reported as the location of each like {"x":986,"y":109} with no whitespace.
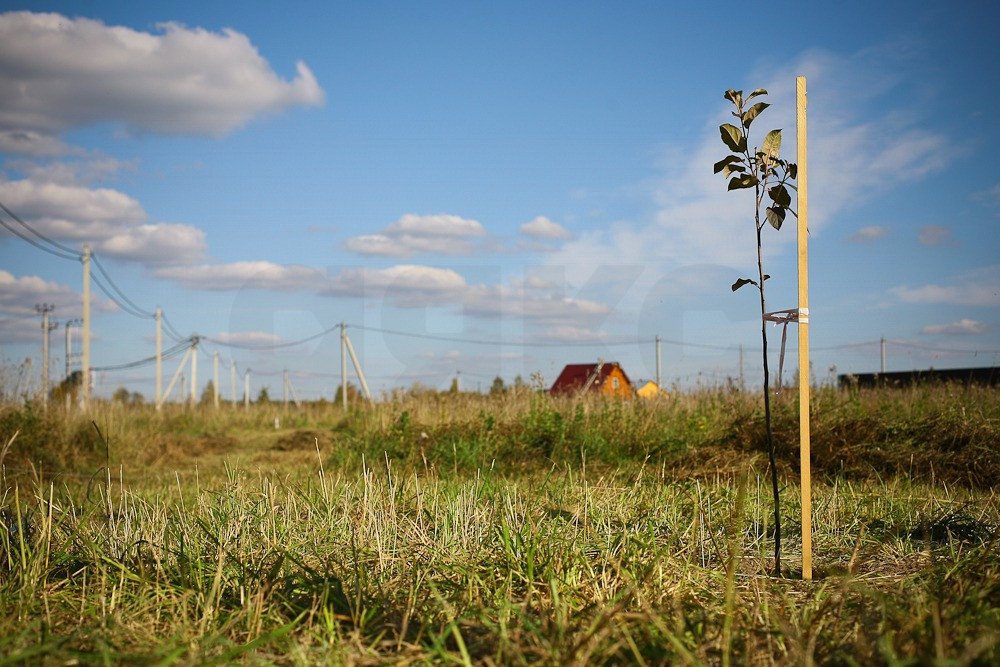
{"x":167,"y":354}
{"x":270,"y":346}
{"x":135,"y":309}
{"x":40,"y":246}
{"x":60,"y":246}
{"x":473,"y":341}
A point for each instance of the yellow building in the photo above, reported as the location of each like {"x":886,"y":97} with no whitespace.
{"x":651,"y":390}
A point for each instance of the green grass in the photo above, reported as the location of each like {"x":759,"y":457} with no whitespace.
{"x":498,"y":532}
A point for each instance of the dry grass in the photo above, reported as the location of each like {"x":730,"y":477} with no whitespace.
{"x":509,"y":532}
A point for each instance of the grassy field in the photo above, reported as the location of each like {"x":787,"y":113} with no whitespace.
{"x":503,"y":530}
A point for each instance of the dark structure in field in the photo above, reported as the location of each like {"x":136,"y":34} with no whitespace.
{"x":986,"y":376}
{"x":605,"y":378}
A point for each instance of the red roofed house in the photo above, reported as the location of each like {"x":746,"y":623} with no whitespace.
{"x":605,"y":378}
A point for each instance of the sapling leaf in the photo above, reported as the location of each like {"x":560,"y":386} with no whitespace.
{"x":775,"y":216}
{"x":735,"y":96}
{"x":793,"y":170}
{"x":756,"y":93}
{"x":779,"y":195}
{"x":752,"y":113}
{"x":733,"y":137}
{"x":732,"y":169}
{"x":772,"y":143}
{"x":721,"y":164}
{"x":743,"y":281}
{"x":744,"y":181}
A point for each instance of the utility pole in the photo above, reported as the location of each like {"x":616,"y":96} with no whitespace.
{"x":658,"y":359}
{"x":159,"y":357}
{"x":343,"y":366}
{"x":357,"y":367}
{"x":246,"y":389}
{"x":742,"y":378}
{"x":44,"y":309}
{"x":215,"y":379}
{"x":194,"y":371}
{"x":284,"y":389}
{"x":69,"y":345}
{"x":85,"y":359}
{"x":232,"y":380}
{"x":882,"y":355}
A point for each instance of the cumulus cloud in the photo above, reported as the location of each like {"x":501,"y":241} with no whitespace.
{"x":403,"y":284}
{"x":420,"y":234}
{"x":62,"y":72}
{"x":244,"y":275}
{"x":543,"y":228}
{"x":980,"y":287}
{"x":416,"y":286}
{"x":19,"y":330}
{"x":33,"y":144}
{"x":18,"y":295}
{"x":935,"y":235}
{"x":963,"y":326}
{"x":503,"y":301}
{"x":112,"y":222}
{"x":869,"y":234}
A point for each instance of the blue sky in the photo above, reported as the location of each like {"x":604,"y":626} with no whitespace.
{"x":516,"y":186}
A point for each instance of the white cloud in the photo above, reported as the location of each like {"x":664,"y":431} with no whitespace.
{"x":400,"y":283}
{"x":416,"y":286}
{"x":110,"y":221}
{"x":501,"y":301}
{"x":156,"y":244}
{"x":543,"y":228}
{"x":19,"y":330}
{"x":73,"y":72}
{"x":18,"y":295}
{"x":869,"y":234}
{"x":250,"y":338}
{"x":89,"y":171}
{"x":963,"y":326}
{"x":34,"y":144}
{"x":420,"y":234}
{"x":244,"y":275}
{"x":435,"y":225}
{"x":980,"y":287}
{"x":935,"y":235}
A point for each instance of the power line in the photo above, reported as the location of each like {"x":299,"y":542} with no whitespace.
{"x":60,"y":246}
{"x":271,"y":346}
{"x":931,"y":348}
{"x":40,"y":246}
{"x":168,"y":354}
{"x":125,"y":307}
{"x":473,"y":341}
{"x":138,"y":310}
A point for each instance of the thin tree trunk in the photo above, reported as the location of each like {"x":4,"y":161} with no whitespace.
{"x":767,"y":412}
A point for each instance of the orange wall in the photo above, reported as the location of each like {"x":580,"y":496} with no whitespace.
{"x":624,"y":389}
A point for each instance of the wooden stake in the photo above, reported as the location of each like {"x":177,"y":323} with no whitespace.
{"x":803,"y":245}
